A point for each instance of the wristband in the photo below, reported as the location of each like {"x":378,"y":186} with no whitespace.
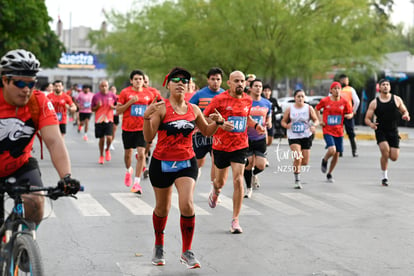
{"x":220,"y":123}
{"x":255,"y":125}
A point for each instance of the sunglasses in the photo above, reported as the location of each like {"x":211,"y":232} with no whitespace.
{"x":23,"y":84}
{"x":177,"y":80}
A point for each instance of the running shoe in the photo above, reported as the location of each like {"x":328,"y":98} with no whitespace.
{"x":188,"y":259}
{"x":212,"y":198}
{"x":330,"y":178}
{"x":79,"y":128}
{"x":136,"y":188}
{"x":324,"y":166}
{"x":107,"y":155}
{"x":267,"y":163}
{"x":298,"y":185}
{"x":146,"y":172}
{"x":85,"y":137}
{"x":158,"y":255}
{"x":384,"y":182}
{"x":255,"y":181}
{"x":235,"y":227}
{"x":101,"y":160}
{"x":128,"y":177}
{"x":355,"y":153}
{"x":249,"y":192}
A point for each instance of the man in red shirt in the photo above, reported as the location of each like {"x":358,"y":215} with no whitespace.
{"x":62,"y":102}
{"x":132,"y":103}
{"x":335,"y":109}
{"x":230,"y":142}
{"x":23,"y":112}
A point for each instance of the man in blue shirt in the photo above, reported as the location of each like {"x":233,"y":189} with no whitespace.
{"x":202,"y":144}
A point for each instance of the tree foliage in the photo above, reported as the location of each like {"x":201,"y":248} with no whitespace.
{"x":271,"y":38}
{"x":24,"y":24}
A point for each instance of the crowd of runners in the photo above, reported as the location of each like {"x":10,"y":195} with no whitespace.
{"x":234,"y":127}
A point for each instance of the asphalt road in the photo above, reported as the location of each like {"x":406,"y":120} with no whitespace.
{"x":351,"y":227}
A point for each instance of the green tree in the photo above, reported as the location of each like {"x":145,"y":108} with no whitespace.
{"x":24,"y":24}
{"x":271,"y":38}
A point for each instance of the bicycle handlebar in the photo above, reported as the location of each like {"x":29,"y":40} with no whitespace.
{"x":13,"y":188}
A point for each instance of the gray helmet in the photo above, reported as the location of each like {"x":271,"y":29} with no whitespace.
{"x":19,"y":62}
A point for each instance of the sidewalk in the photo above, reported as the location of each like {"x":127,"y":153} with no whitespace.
{"x":367,"y":133}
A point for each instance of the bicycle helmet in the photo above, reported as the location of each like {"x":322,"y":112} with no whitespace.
{"x":19,"y":62}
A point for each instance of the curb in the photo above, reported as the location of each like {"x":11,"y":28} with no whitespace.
{"x":362,"y":135}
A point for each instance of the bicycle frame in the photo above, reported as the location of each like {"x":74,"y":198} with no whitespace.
{"x":19,"y":250}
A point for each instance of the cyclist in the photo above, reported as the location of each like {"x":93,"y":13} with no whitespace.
{"x":23,"y":112}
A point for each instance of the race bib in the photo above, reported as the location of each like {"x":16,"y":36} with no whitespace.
{"x":239,"y":123}
{"x":298,"y":127}
{"x":258,"y":119}
{"x":174,"y":166}
{"x":59,"y":116}
{"x":334,"y":120}
{"x":87,"y":104}
{"x":138,"y":110}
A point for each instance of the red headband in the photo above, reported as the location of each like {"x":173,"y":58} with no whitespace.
{"x":335,"y":83}
{"x":165,"y":80}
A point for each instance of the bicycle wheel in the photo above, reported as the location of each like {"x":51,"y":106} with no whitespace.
{"x":26,"y":257}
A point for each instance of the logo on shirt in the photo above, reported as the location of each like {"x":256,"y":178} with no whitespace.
{"x":229,"y":108}
{"x":50,"y":106}
{"x":15,"y":135}
{"x":246,"y":109}
{"x":183,"y":127}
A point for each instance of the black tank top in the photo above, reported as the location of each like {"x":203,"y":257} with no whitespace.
{"x":387,"y":114}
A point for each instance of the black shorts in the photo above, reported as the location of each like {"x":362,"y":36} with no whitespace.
{"x":133,"y":139}
{"x":103,"y":129}
{"x":30,"y":170}
{"x":392,"y":137}
{"x":116,"y":120}
{"x":305,"y":143}
{"x":223,"y":159}
{"x":62,"y":128}
{"x":202,"y":145}
{"x":257,"y":148}
{"x":84,"y":116}
{"x":162,"y":179}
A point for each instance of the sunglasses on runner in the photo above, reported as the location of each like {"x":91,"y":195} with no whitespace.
{"x":177,"y":80}
{"x":23,"y":84}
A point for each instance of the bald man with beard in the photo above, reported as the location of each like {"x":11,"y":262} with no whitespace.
{"x":230,"y":142}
